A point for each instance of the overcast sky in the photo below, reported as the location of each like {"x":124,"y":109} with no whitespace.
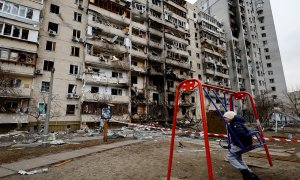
{"x":285,"y":14}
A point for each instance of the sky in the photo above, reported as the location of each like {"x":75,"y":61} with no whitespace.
{"x":285,"y":15}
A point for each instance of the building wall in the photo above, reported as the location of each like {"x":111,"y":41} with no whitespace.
{"x":61,"y":57}
{"x":159,"y":59}
{"x":265,"y":20}
{"x":19,"y":30}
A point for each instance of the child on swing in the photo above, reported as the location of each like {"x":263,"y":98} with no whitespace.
{"x":237,"y":124}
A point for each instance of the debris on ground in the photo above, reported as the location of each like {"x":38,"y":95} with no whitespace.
{"x":42,"y":170}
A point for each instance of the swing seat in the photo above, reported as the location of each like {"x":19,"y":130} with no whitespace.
{"x":251,"y":147}
{"x":259,"y":139}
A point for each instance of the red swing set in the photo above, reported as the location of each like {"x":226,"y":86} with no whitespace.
{"x":190,"y":85}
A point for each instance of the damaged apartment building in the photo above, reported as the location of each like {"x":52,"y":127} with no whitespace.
{"x":255,"y":63}
{"x":127,"y":54}
{"x":19,"y":30}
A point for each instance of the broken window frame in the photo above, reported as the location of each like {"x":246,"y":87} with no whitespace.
{"x":14,"y":56}
{"x":76,"y":33}
{"x":48,"y":65}
{"x":134,"y":80}
{"x":54,"y":9}
{"x":71,"y":87}
{"x":45,"y":86}
{"x":75,"y":51}
{"x":95,"y":89}
{"x":77,"y":17}
{"x":53,"y":27}
{"x":116,"y":91}
{"x":118,"y":75}
{"x":70,"y":109}
{"x":73,"y":69}
{"x":50,"y":46}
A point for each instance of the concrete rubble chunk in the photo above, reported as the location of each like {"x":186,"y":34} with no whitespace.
{"x":42,"y":170}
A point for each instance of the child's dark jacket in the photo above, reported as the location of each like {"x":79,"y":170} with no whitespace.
{"x":238,"y":127}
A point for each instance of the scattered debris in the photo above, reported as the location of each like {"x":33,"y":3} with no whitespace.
{"x":57,"y":142}
{"x":62,"y":163}
{"x":42,"y":170}
{"x":181,"y":145}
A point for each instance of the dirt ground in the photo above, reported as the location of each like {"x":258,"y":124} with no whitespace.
{"x":10,"y":154}
{"x":149,"y":160}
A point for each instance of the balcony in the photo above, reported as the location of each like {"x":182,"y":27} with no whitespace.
{"x":156,"y":45}
{"x":154,"y":18}
{"x":18,"y":93}
{"x":95,"y":79}
{"x":156,"y":32}
{"x":113,"y":48}
{"x":13,"y":118}
{"x":140,"y":40}
{"x":209,"y":31}
{"x":138,"y":54}
{"x":175,"y":27}
{"x":92,"y":97}
{"x":175,"y":38}
{"x":107,"y":29}
{"x":211,"y":51}
{"x":109,"y":15}
{"x":139,"y":26}
{"x":209,"y":60}
{"x":21,"y":69}
{"x":185,"y":65}
{"x":179,"y":51}
{"x":140,"y":15}
{"x":209,"y":71}
{"x":155,"y":7}
{"x":138,"y":69}
{"x":23,"y":92}
{"x":223,"y":75}
{"x":155,"y":58}
{"x":208,"y":41}
{"x":95,"y":60}
{"x":176,"y":5}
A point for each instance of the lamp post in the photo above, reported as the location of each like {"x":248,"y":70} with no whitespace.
{"x":46,"y":127}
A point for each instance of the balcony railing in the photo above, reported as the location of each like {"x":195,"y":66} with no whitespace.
{"x":139,"y":54}
{"x":156,"y":44}
{"x":105,"y":80}
{"x":105,"y":98}
{"x":13,"y":118}
{"x":107,"y":29}
{"x":185,"y":65}
{"x":21,"y":69}
{"x":141,"y":40}
{"x":95,"y":60}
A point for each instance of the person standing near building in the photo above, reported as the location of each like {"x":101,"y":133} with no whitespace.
{"x":106,"y":116}
{"x":234,"y":156}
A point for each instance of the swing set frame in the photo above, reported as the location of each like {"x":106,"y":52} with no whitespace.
{"x":190,"y":85}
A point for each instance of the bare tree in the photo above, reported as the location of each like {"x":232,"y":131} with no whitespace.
{"x":6,"y":87}
{"x":265,"y":105}
{"x":293,"y":98}
{"x":40,"y":114}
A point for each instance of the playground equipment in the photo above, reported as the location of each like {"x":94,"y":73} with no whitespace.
{"x":190,"y":85}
